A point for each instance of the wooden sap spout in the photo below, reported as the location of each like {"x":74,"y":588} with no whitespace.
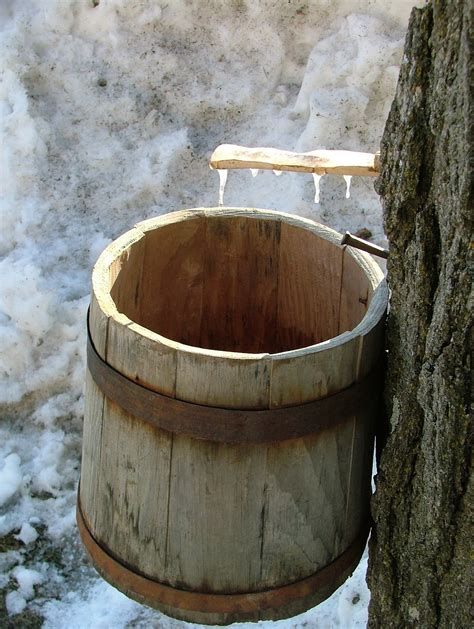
{"x":233,"y":156}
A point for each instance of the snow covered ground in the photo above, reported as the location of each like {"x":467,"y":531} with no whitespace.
{"x":109,"y":110}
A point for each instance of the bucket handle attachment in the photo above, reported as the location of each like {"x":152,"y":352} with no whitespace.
{"x":364,"y":245}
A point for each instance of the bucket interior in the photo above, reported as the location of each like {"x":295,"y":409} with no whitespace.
{"x":241,"y":284}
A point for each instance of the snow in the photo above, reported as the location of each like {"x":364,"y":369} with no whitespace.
{"x":28,"y":534}
{"x":108,"y":115}
{"x":10,"y":477}
{"x":27,"y":579}
{"x":101,"y":606}
{"x":15,"y":602}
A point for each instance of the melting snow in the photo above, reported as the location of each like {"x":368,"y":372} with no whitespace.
{"x":348,"y":179}
{"x":222,"y":182}
{"x":317,"y":178}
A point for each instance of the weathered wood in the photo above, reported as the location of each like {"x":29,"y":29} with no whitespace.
{"x":127,"y":253}
{"x":285,"y":601}
{"x":131,"y":500}
{"x":269,"y":294}
{"x":371,"y":331}
{"x":214,"y":535}
{"x":223,"y":379}
{"x":227,"y":425}
{"x":360,"y":449}
{"x":308,"y":301}
{"x":91,"y":447}
{"x":216,"y":489}
{"x":305,"y":496}
{"x":240,"y":285}
{"x":322,"y":162}
{"x":355,"y":292}
{"x":141,"y":355}
{"x":171,"y":291}
{"x":99,"y":322}
{"x":299,"y":377}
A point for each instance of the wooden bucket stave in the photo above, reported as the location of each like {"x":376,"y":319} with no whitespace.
{"x":227,"y":528}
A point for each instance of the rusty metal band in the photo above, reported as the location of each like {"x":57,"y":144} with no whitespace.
{"x":314,"y":588}
{"x":225,"y":425}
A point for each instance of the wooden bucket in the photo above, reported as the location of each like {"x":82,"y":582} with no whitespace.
{"x":232,"y":387}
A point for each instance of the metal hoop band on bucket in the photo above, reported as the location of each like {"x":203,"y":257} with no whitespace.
{"x":230,"y":425}
{"x":232,"y":391}
{"x":248,"y":606}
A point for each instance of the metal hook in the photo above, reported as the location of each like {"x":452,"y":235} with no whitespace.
{"x":364,"y":245}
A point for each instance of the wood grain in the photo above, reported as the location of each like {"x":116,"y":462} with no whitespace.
{"x":91,"y":447}
{"x":356,"y":293}
{"x":299,"y":377}
{"x":126,"y":271}
{"x":131,"y":500}
{"x":240,"y":284}
{"x":215,"y":516}
{"x":141,"y":355}
{"x":227,"y":156}
{"x":171,"y":292}
{"x":308,"y":289}
{"x":230,"y":381}
{"x":306,"y":490}
{"x":288,"y":317}
{"x":361,"y":449}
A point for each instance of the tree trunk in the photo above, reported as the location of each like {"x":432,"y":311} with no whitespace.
{"x":421,"y":562}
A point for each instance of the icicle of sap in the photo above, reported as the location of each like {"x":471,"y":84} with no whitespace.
{"x":254,"y":172}
{"x":278,"y":172}
{"x":347,"y":179}
{"x":222,"y":180}
{"x":317,"y":178}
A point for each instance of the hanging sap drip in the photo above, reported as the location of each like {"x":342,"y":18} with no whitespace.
{"x":254,"y":172}
{"x":278,"y":172}
{"x":222,"y":182}
{"x":347,"y":179}
{"x":317,"y":178}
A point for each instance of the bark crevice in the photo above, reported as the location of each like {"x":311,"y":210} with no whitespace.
{"x":420,"y":571}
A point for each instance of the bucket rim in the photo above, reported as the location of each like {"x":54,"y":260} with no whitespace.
{"x":373,"y":272}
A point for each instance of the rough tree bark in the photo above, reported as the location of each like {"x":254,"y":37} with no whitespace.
{"x":421,"y":558}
